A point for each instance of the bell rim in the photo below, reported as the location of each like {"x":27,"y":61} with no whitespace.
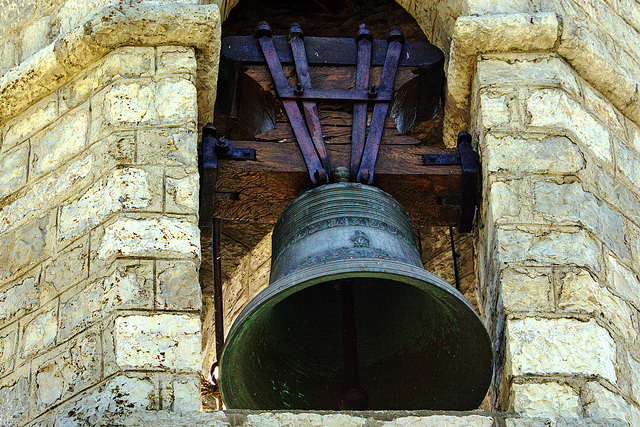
{"x":349,"y":268}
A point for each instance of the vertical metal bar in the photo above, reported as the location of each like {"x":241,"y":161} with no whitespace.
{"x":359,"y":124}
{"x":218,"y":307}
{"x":454,"y":254}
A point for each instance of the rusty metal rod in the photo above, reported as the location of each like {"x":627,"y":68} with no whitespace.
{"x":218,"y":308}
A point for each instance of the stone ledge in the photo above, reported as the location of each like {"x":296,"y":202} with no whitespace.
{"x":112,"y":27}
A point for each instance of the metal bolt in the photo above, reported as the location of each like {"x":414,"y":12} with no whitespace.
{"x":299,"y":90}
{"x":373,"y":91}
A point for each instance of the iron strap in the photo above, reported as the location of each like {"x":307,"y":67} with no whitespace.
{"x":359,"y":123}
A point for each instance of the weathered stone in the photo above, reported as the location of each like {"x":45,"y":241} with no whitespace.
{"x":8,"y":55}
{"x":602,"y":403}
{"x":579,"y":292}
{"x":633,"y":131}
{"x":559,"y":346}
{"x":55,"y":145}
{"x":36,"y":36}
{"x":129,"y":286}
{"x":123,"y":189}
{"x":545,"y":400}
{"x":164,"y":341}
{"x":171,"y":147}
{"x":176,"y":101}
{"x":38,"y":331}
{"x":72,"y":369}
{"x":13,"y":170}
{"x":21,"y":248}
{"x":236,"y":293}
{"x":623,"y":281}
{"x":15,"y":398}
{"x":186,"y":395}
{"x":510,"y":202}
{"x":68,"y":268}
{"x":563,"y":422}
{"x":178,"y":286}
{"x":32,"y":120}
{"x":628,"y":162}
{"x":176,"y":60}
{"x":182,"y":190}
{"x":569,"y":246}
{"x":603,"y":109}
{"x":441,"y":420}
{"x":8,"y":349}
{"x":544,"y":154}
{"x":269,"y":419}
{"x":259,"y":279}
{"x":526,"y":289}
{"x":516,"y":69}
{"x":553,"y":109}
{"x":19,"y":298}
{"x":634,"y":378}
{"x":74,"y":12}
{"x":497,"y":108}
{"x":162,"y":237}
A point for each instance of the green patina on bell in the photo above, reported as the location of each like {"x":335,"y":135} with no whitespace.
{"x":420,"y":344}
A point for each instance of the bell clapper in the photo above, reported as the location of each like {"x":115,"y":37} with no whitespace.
{"x":352,"y":396}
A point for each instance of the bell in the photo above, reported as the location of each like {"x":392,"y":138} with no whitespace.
{"x":351,"y":320}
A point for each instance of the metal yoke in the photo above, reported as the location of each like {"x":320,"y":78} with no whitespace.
{"x":309,"y":137}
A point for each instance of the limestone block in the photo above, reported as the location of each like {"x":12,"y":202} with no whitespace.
{"x":569,"y":246}
{"x":178,"y":287}
{"x":8,"y":347}
{"x":603,"y":403}
{"x":554,"y":109}
{"x":634,"y":378}
{"x":269,"y":419}
{"x":259,"y":279}
{"x":598,"y":106}
{"x":559,"y":346}
{"x":563,"y":422}
{"x":514,"y":69}
{"x":545,"y":400}
{"x":129,"y":286}
{"x":123,"y":62}
{"x":55,"y":145}
{"x":628,"y":162}
{"x":19,"y":298}
{"x":623,"y":281}
{"x":122,"y":189}
{"x":441,"y":420}
{"x":497,"y":108}
{"x":167,"y":418}
{"x":36,"y":36}
{"x":75,"y":12}
{"x":634,"y":135}
{"x":14,"y":398}
{"x":510,"y":201}
{"x":72,"y":368}
{"x":70,"y":267}
{"x":44,"y":194}
{"x":22,"y":247}
{"x":164,"y":341}
{"x":35,"y":118}
{"x":579,"y":292}
{"x":236,"y":294}
{"x":570,"y":204}
{"x":186,"y":395}
{"x":38,"y":330}
{"x":526,"y":289}
{"x":171,"y":147}
{"x":8,"y":55}
{"x":182,"y":190}
{"x":150,"y":237}
{"x":492,"y":7}
{"x":176,"y":60}
{"x":552,"y":155}
{"x":13,"y":169}
{"x":176,"y":101}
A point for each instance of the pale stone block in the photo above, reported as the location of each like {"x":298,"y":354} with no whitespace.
{"x":545,"y":400}
{"x":19,"y":298}
{"x":36,"y":36}
{"x":122,"y":189}
{"x":571,"y":246}
{"x":579,"y":292}
{"x":259,"y":279}
{"x":603,"y":403}
{"x":553,"y":109}
{"x":497,"y":108}
{"x":268,"y":419}
{"x":633,"y":131}
{"x":70,"y":267}
{"x":164,"y":341}
{"x":14,"y":398}
{"x":604,"y":110}
{"x":563,"y":422}
{"x":75,"y":12}
{"x":23,"y":247}
{"x":559,"y":346}
{"x":553,"y":155}
{"x":8,"y":348}
{"x":634,"y":378}
{"x":186,"y":395}
{"x":74,"y":367}
{"x":35,"y":118}
{"x":13,"y":169}
{"x":176,"y":101}
{"x":441,"y":420}
{"x":623,"y":281}
{"x":526,"y":289}
{"x":38,"y":331}
{"x":176,"y":60}
{"x":182,"y":190}
{"x":57,"y":144}
{"x":510,"y":201}
{"x":129,"y":286}
{"x":492,"y":7}
{"x":178,"y":286}
{"x":8,"y":55}
{"x":150,"y":237}
{"x":261,"y":253}
{"x":628,"y":162}
{"x":236,"y":294}
{"x":517,"y":68}
{"x":171,"y":147}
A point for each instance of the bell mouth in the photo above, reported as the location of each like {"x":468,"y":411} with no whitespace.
{"x":421,"y":345}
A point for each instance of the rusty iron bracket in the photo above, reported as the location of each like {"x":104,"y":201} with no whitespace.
{"x":212,"y":148}
{"x":468,"y":160}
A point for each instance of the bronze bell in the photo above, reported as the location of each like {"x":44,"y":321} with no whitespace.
{"x":351,"y":315}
